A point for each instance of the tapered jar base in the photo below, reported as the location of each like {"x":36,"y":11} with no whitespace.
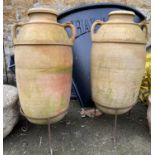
{"x":51,"y":120}
{"x":112,"y":111}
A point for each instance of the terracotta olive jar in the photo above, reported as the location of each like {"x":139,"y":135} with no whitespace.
{"x":117,"y":62}
{"x":43,"y":58}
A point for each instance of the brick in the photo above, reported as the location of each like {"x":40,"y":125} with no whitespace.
{"x":9,"y":15}
{"x":80,"y":2}
{"x":6,"y":2}
{"x":139,"y":3}
{"x":25,"y":3}
{"x":46,"y":1}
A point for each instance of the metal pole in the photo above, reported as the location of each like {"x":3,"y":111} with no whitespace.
{"x":49,"y":138}
{"x":5,"y":64}
{"x":25,"y":127}
{"x":77,"y":93}
{"x":115,"y":131}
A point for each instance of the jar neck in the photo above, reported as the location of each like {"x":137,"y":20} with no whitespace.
{"x":42,"y":17}
{"x":121,"y":18}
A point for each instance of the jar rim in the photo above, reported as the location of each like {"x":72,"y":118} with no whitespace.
{"x":121,"y":12}
{"x":42,"y":10}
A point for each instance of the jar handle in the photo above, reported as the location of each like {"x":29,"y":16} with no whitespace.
{"x":144,"y":26}
{"x":14,"y":30}
{"x":97,"y":22}
{"x":71,"y":26}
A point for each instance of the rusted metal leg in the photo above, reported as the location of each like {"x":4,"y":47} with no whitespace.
{"x":6,"y":74}
{"x":25,"y":127}
{"x":49,"y":138}
{"x":115,"y":130}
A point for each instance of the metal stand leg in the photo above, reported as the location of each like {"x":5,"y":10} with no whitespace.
{"x":115,"y":131}
{"x":49,"y":138}
{"x":25,"y":127}
{"x":5,"y":64}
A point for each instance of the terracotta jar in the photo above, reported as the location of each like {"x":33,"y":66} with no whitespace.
{"x":117,"y":62}
{"x":43,"y":58}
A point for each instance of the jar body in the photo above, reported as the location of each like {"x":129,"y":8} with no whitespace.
{"x":117,"y":66}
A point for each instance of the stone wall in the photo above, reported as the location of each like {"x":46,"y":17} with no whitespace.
{"x":16,"y":10}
